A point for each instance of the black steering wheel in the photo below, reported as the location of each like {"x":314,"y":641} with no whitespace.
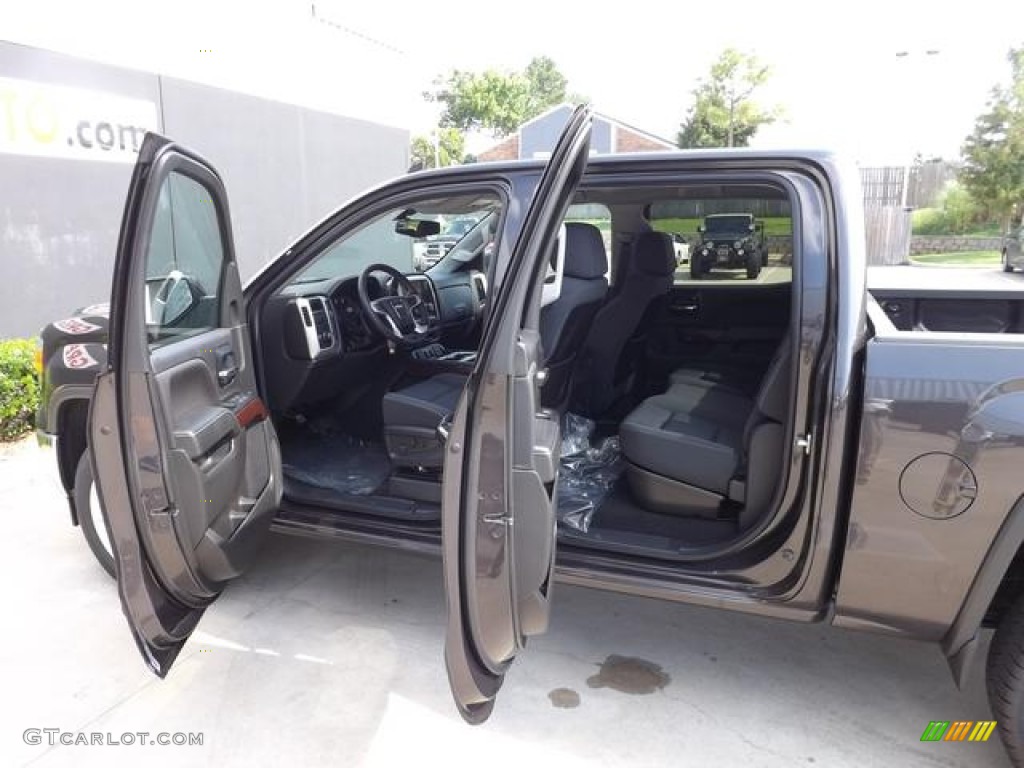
{"x":399,"y":316}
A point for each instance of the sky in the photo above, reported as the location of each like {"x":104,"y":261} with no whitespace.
{"x":836,"y":71}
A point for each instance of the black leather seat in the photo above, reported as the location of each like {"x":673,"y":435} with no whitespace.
{"x":566,"y":322}
{"x":412,"y":414}
{"x":696,"y":445}
{"x":600,"y":375}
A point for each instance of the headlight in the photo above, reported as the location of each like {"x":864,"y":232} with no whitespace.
{"x":710,"y":243}
{"x":739,"y":252}
{"x":704,"y":252}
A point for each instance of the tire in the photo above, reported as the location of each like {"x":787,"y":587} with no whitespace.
{"x":764,"y":258}
{"x":90,"y":516}
{"x":1004,"y":678}
{"x":1007,"y":267}
{"x":695,"y":271}
{"x":753,"y":266}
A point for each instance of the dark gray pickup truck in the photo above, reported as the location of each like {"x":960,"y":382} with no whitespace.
{"x":551,"y":402}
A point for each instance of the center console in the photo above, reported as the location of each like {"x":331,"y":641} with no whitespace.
{"x":447,"y":358}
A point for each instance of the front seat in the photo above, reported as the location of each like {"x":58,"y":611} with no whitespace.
{"x":412,"y":414}
{"x":600,"y":378}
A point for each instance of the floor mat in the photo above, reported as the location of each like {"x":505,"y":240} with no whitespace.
{"x":336,"y":462}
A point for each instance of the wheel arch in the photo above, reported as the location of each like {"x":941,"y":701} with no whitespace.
{"x":997,"y":584}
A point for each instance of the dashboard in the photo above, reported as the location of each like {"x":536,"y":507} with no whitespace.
{"x":316,"y":342}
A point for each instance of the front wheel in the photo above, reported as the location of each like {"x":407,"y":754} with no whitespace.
{"x":1007,"y":267}
{"x":1004,"y":678}
{"x":753,"y":267}
{"x":90,"y":515}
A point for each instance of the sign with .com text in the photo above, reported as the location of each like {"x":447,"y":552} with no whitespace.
{"x":56,"y":121}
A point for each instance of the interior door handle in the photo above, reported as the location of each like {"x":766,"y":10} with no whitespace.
{"x":688,"y":307}
{"x":226,"y":375}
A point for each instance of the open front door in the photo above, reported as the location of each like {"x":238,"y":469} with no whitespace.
{"x":186,"y":462}
{"x":501,"y":461}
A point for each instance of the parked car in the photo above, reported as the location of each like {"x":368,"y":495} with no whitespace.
{"x":729,"y":241}
{"x":681,"y":248}
{"x":1013,"y":255}
{"x":829,"y":458}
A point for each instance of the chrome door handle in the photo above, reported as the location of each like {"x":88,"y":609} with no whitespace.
{"x":226,"y":375}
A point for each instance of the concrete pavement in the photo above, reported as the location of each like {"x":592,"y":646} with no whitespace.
{"x":331,"y":654}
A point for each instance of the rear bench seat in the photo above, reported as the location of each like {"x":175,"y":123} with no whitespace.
{"x":701,"y":442}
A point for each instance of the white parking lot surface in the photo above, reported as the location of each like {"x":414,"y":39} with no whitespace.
{"x":331,"y":654}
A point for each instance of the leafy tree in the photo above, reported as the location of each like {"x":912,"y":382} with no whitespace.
{"x":450,"y":148}
{"x":498,"y":102}
{"x":724,"y":113}
{"x":994,"y":152}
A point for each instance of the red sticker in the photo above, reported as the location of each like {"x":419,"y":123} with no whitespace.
{"x":75,"y":326}
{"x":77,"y":356}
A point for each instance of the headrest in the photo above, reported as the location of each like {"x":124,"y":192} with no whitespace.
{"x":654,"y":254}
{"x":585,"y":256}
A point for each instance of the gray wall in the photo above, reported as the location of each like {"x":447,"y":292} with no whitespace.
{"x":541,"y":135}
{"x":285,"y":167}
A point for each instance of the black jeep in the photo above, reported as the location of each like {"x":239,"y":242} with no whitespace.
{"x":729,"y":241}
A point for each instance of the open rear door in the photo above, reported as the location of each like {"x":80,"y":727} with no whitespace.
{"x":501,"y":461}
{"x":186,"y":462}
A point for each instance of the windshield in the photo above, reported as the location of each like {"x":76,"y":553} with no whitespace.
{"x":727,"y":223}
{"x":378,"y":242}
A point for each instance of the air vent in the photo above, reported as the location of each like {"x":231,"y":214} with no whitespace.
{"x":321,"y":322}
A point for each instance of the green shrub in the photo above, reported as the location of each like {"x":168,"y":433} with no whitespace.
{"x":956,"y":213}
{"x":928,"y":221}
{"x":19,"y":387}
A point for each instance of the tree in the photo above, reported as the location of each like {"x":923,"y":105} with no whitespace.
{"x":994,"y":152}
{"x":498,"y":102}
{"x":724,"y":113}
{"x":451,"y":146}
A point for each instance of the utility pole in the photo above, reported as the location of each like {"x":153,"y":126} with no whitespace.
{"x":911,"y":151}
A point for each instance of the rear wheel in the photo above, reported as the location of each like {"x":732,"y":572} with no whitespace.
{"x":90,"y":515}
{"x":1004,"y":677}
{"x":1007,"y":267}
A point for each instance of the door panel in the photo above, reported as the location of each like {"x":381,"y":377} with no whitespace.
{"x":502,"y":458}
{"x":185,"y":460}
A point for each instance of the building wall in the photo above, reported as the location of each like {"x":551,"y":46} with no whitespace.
{"x":284,"y":167}
{"x":538,"y":137}
{"x":631,"y":141}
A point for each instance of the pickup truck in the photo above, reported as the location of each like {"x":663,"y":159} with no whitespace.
{"x":799,"y":449}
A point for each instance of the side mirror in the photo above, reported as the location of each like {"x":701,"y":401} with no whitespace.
{"x":169,"y":299}
{"x":751,"y":227}
{"x":417,"y":228}
{"x":701,"y":228}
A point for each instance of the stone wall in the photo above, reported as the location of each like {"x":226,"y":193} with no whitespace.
{"x":952,"y":244}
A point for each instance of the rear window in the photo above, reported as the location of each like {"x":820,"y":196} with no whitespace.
{"x":740,"y":254}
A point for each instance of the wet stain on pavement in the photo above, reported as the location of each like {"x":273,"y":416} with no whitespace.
{"x":629,"y":675}
{"x":564,"y":698}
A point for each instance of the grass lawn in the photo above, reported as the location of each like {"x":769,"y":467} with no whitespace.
{"x":772,"y":226}
{"x":965,"y":259}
